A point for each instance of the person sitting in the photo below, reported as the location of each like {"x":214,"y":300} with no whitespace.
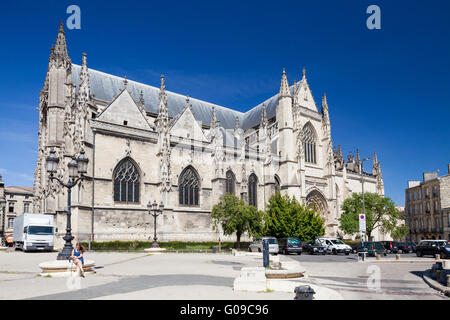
{"x":77,"y":257}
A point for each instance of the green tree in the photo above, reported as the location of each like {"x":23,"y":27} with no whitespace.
{"x":380,"y":213}
{"x":400,"y":232}
{"x":286,"y":217}
{"x":234,"y":216}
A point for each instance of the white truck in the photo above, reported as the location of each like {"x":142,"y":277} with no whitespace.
{"x":33,"y":231}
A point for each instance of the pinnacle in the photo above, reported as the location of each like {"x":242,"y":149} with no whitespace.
{"x":284,"y":87}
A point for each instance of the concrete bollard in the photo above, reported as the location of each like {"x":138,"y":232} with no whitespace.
{"x":397,"y":257}
{"x":378,"y":257}
{"x":437,"y":257}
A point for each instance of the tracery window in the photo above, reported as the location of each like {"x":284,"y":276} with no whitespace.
{"x":309,"y":144}
{"x":230,"y":183}
{"x":188,"y":187}
{"x":126,"y":182}
{"x":252,"y":190}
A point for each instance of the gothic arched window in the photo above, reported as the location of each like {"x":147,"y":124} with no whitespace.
{"x":309,"y":144}
{"x":230,"y":182}
{"x":126,"y":182}
{"x":277,"y":184}
{"x":188,"y":187}
{"x":252,"y":190}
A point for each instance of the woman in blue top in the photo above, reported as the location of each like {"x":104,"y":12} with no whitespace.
{"x":77,"y":257}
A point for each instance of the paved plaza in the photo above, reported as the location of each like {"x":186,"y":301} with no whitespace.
{"x":201,"y":277}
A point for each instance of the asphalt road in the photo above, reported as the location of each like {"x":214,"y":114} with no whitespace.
{"x":342,"y":257}
{"x":386,"y":279}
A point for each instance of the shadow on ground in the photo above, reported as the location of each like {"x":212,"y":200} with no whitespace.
{"x":132,"y":284}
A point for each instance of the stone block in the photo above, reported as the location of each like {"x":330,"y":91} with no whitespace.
{"x":446,"y":264}
{"x":251,"y":279}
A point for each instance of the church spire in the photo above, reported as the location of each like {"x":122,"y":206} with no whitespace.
{"x":375,"y":164}
{"x":60,"y":45}
{"x":284,"y":87}
{"x":236,"y":126}
{"x":214,"y":122}
{"x":162,"y":121}
{"x":264,"y":122}
{"x":325,"y":114}
{"x":83,"y":92}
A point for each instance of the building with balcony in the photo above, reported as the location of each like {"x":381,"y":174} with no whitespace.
{"x":427,"y":207}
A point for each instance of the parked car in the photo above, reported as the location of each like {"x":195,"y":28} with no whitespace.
{"x":290,"y":245}
{"x":390,"y":246}
{"x":257,"y":245}
{"x":372,"y":248}
{"x":403,"y":247}
{"x":335,"y":246}
{"x":432,"y":247}
{"x":412,"y":245}
{"x":314,"y":247}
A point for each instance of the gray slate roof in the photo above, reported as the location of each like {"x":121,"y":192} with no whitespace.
{"x":105,"y":86}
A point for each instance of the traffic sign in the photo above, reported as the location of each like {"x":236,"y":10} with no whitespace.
{"x":362,"y":223}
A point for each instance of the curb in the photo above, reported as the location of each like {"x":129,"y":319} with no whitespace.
{"x":397,"y":261}
{"x":434,"y":284}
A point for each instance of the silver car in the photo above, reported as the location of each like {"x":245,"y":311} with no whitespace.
{"x":257,"y":245}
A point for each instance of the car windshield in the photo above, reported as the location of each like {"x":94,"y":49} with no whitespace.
{"x":272,"y":241}
{"x":337,"y":241}
{"x":317,"y":243}
{"x":40,"y":230}
{"x":294,"y":241}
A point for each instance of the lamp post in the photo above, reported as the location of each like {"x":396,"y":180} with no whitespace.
{"x":362,"y":186}
{"x":2,"y":207}
{"x":155,"y":211}
{"x":77,"y":168}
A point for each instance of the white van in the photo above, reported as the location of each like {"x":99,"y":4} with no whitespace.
{"x":257,"y":245}
{"x":335,"y":246}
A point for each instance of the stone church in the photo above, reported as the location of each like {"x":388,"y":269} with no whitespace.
{"x":149,"y":144}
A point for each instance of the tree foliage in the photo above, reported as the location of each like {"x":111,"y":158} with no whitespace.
{"x":234,"y":216}
{"x":380,"y":213}
{"x":400,"y":232}
{"x":286,"y":217}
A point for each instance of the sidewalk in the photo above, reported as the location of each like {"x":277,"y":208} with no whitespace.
{"x":132,"y":276}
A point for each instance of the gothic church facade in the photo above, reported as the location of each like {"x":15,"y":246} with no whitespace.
{"x":149,"y":144}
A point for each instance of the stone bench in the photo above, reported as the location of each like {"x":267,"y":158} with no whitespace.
{"x":62,"y":268}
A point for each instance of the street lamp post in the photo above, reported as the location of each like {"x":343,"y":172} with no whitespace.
{"x":77,"y":168}
{"x":155,"y":211}
{"x":3,"y":207}
{"x":362,"y":186}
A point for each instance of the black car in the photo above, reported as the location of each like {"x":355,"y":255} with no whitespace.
{"x":290,"y":245}
{"x":433,"y":247}
{"x":314,"y":247}
{"x":390,"y":246}
{"x":403,"y":247}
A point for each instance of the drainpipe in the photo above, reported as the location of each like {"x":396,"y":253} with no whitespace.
{"x":93,"y":189}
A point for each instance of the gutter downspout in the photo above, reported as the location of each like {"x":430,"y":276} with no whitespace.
{"x":93,"y":189}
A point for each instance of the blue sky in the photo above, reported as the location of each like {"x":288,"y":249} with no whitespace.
{"x":387,"y":89}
